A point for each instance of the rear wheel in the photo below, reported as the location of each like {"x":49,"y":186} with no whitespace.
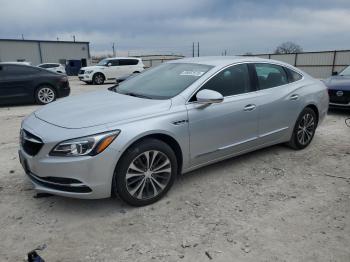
{"x":304,"y":129}
{"x":45,"y":94}
{"x":145,"y":172}
{"x":98,"y":79}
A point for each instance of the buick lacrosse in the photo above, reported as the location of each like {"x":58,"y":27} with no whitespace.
{"x":135,"y":138}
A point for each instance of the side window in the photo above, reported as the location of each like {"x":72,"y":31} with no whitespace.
{"x":270,"y":75}
{"x":292,"y":75}
{"x":231,"y":81}
{"x":114,"y":62}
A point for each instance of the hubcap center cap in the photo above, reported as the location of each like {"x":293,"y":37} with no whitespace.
{"x":148,"y":174}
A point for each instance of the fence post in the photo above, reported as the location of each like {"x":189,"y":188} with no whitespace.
{"x":334,"y":57}
{"x":295,"y":59}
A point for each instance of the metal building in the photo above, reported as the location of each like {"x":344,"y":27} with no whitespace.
{"x":43,"y":51}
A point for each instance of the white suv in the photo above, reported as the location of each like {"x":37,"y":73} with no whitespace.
{"x":110,"y":69}
{"x":54,"y":67}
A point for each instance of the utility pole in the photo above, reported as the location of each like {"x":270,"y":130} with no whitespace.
{"x":74,"y":38}
{"x":22,"y":37}
{"x":198,"y":49}
{"x":225,"y":52}
{"x":113,"y":49}
{"x":192,"y":49}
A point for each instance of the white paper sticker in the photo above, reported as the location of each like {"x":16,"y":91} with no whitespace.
{"x":191,"y":73}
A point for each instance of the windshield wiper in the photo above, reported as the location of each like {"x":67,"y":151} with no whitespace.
{"x":136,"y":95}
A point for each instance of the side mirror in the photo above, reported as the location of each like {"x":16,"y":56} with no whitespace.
{"x":207,"y":96}
{"x":109,"y":64}
{"x":334,"y":73}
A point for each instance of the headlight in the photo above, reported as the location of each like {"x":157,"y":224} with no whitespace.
{"x":89,"y":71}
{"x":85,"y":146}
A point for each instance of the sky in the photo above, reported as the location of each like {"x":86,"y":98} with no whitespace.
{"x":171,"y":26}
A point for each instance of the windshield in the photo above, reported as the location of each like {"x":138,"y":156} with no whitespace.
{"x":103,"y":62}
{"x":345,"y":72}
{"x":164,"y":81}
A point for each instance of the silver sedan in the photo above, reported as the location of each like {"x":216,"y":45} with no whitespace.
{"x":135,"y":138}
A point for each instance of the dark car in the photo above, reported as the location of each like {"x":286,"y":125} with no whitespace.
{"x":339,"y":89}
{"x":27,"y":84}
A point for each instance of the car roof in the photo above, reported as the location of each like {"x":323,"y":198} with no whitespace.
{"x":122,"y":57}
{"x":224,"y":60}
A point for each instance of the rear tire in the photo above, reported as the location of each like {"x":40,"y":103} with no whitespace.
{"x":45,"y":94}
{"x":145,"y":172}
{"x":98,"y":79}
{"x":304,"y":129}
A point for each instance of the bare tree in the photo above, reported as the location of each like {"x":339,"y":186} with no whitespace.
{"x":288,"y":48}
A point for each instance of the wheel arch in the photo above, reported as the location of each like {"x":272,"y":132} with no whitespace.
{"x":315,"y":109}
{"x":45,"y":84}
{"x":166,"y":138}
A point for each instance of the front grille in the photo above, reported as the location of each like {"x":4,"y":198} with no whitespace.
{"x":81,"y":72}
{"x":31,"y":144}
{"x":343,"y":99}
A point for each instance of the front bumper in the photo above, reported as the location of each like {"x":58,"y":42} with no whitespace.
{"x":332,"y":104}
{"x":88,"y":177}
{"x":85,"y":77}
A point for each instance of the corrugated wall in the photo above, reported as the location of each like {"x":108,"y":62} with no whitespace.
{"x":317,"y":64}
{"x":38,"y":52}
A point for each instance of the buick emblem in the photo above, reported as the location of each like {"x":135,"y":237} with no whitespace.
{"x":339,"y":93}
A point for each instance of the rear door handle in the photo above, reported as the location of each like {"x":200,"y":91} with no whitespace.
{"x":294,"y":97}
{"x":249,"y":107}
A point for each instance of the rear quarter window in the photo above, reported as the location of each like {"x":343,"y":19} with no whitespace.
{"x":292,"y":75}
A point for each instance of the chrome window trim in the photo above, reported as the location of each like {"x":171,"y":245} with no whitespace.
{"x":239,"y":63}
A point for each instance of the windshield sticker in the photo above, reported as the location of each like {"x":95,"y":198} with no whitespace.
{"x":192,"y":73}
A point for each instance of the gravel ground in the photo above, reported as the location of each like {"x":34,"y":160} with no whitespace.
{"x":275,"y":204}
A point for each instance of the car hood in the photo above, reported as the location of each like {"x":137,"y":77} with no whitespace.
{"x":338,"y":82}
{"x":98,"y":108}
{"x":93,"y":67}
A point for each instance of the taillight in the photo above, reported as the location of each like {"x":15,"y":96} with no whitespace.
{"x":64,"y":79}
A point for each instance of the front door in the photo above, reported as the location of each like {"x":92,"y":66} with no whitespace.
{"x":229,"y":127}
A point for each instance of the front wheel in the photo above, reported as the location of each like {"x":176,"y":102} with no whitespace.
{"x":45,"y":94}
{"x":145,"y":172}
{"x":98,"y":79}
{"x":304,"y":129}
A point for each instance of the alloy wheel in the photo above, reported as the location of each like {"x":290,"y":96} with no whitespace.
{"x":306,"y":129}
{"x":99,"y":79}
{"x":148,"y":174}
{"x":46,"y":95}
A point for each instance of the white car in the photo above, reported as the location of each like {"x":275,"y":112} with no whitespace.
{"x":110,"y":69}
{"x":54,"y":67}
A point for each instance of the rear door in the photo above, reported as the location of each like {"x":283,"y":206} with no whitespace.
{"x":16,"y":83}
{"x":128,"y":66}
{"x":280,"y":103}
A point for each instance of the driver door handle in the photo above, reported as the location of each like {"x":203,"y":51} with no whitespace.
{"x":249,"y":107}
{"x":294,"y":97}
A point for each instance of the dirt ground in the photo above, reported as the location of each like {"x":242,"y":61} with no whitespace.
{"x":275,"y":204}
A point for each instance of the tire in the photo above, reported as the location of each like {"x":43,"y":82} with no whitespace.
{"x":98,"y":79}
{"x":45,"y":94}
{"x":304,"y":129}
{"x":135,"y":182}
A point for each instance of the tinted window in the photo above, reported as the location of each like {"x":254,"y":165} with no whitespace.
{"x":113,"y":62}
{"x":231,"y":81}
{"x":270,"y":75}
{"x":164,"y":81}
{"x":19,"y":70}
{"x":292,"y":75}
{"x":126,"y":62}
